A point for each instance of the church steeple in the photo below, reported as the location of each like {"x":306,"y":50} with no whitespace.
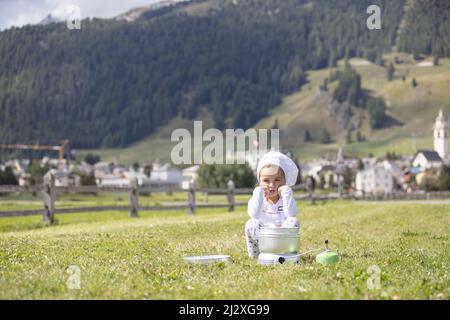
{"x":441,"y":136}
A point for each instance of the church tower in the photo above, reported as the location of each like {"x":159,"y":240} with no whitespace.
{"x":441,"y":136}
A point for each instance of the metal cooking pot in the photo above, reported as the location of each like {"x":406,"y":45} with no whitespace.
{"x":278,"y":243}
{"x":279,"y":230}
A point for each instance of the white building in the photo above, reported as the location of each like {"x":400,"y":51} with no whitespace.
{"x":434,"y":159}
{"x":65,"y":178}
{"x":84,"y":167}
{"x":441,"y":137}
{"x":123,"y":179}
{"x":103,"y":168}
{"x":394,"y":168}
{"x":427,"y":159}
{"x":142,"y":179}
{"x":376,"y":180}
{"x":165,"y":175}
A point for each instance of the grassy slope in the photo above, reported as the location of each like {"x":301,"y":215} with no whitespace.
{"x":122,"y":258}
{"x":416,"y":108}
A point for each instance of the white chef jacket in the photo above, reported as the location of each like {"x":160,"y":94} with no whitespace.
{"x":272,"y":214}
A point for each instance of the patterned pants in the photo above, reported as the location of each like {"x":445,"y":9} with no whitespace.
{"x":252,"y":228}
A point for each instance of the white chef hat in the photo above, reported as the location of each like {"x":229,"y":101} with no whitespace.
{"x":284,"y":162}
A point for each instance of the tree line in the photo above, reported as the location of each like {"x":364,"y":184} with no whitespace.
{"x":113,"y":82}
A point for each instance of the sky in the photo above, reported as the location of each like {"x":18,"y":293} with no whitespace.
{"x":22,"y":12}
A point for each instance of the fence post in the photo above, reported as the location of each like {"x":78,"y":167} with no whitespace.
{"x":49,"y":197}
{"x":191,"y":199}
{"x":230,"y":196}
{"x":134,"y":198}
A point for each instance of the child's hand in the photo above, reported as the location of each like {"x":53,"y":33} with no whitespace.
{"x":267,"y":192}
{"x":282,"y":188}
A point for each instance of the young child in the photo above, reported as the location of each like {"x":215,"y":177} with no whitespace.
{"x":272,"y":203}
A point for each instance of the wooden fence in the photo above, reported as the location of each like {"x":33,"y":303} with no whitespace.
{"x":49,"y":193}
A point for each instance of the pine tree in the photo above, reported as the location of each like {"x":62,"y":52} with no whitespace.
{"x":436,"y":60}
{"x":390,"y":72}
{"x":359,"y":136}
{"x":326,"y":137}
{"x":379,"y":59}
{"x":348,"y":177}
{"x":332,"y":60}
{"x":7,"y":177}
{"x":88,"y":179}
{"x":275,"y":124}
{"x":307,"y":136}
{"x":348,"y":137}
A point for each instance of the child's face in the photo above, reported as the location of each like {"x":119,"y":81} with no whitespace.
{"x":270,"y":179}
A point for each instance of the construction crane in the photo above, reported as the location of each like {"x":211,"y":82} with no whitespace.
{"x":60,"y":148}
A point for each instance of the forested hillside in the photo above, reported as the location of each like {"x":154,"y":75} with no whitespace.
{"x":113,"y":82}
{"x":427,"y":28}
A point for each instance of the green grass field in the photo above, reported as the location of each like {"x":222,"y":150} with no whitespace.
{"x":123,"y":258}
